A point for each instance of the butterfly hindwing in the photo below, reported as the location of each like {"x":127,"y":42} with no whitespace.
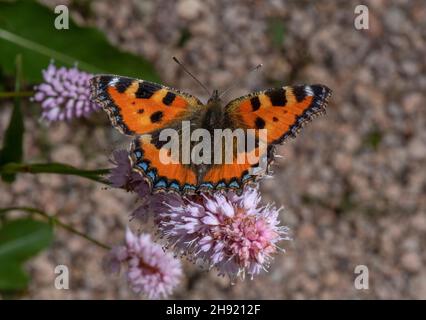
{"x":138,"y":106}
{"x":145,"y":159}
{"x":231,"y":176}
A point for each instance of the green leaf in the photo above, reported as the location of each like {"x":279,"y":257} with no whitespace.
{"x":20,"y":240}
{"x":28,"y":28}
{"x":23,"y":238}
{"x":12,"y":150}
{"x":12,"y":277}
{"x":54,"y":167}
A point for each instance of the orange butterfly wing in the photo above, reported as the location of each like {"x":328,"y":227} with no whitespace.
{"x":138,"y":106}
{"x":232,"y":176}
{"x":145,"y":159}
{"x":282,"y":112}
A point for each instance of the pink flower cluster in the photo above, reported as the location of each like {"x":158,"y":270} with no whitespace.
{"x":151,"y":271}
{"x":64,"y":94}
{"x":233,"y":233}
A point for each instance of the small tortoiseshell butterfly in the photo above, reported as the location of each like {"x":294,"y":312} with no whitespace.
{"x":142,"y":109}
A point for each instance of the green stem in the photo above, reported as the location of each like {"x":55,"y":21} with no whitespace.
{"x":58,"y":222}
{"x":57,"y":168}
{"x":16,"y":94}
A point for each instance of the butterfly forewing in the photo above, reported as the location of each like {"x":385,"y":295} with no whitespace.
{"x":282,"y":111}
{"x":138,"y":106}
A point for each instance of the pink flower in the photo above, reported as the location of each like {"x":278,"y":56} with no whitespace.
{"x":232,"y":233}
{"x":64,"y":94}
{"x":150,"y":270}
{"x":122,"y":176}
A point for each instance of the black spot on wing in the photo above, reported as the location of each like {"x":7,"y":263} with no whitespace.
{"x":299,"y":93}
{"x":275,"y":119}
{"x":156,"y":116}
{"x":169,"y":98}
{"x":122,"y":84}
{"x":259,"y":123}
{"x":277,"y":97}
{"x":140,"y":111}
{"x":155,"y":139}
{"x":146,"y":89}
{"x":255,"y":103}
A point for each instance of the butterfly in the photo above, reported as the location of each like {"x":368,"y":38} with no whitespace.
{"x":143,"y":109}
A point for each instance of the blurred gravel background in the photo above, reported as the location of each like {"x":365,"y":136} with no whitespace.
{"x":353,"y":183}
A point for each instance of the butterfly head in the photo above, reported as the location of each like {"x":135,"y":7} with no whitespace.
{"x":214,"y":97}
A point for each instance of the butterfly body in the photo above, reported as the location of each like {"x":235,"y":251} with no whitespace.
{"x":213,"y":117}
{"x":143,"y":109}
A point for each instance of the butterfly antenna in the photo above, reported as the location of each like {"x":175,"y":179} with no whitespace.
{"x":191,"y":75}
{"x":239,"y":80}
